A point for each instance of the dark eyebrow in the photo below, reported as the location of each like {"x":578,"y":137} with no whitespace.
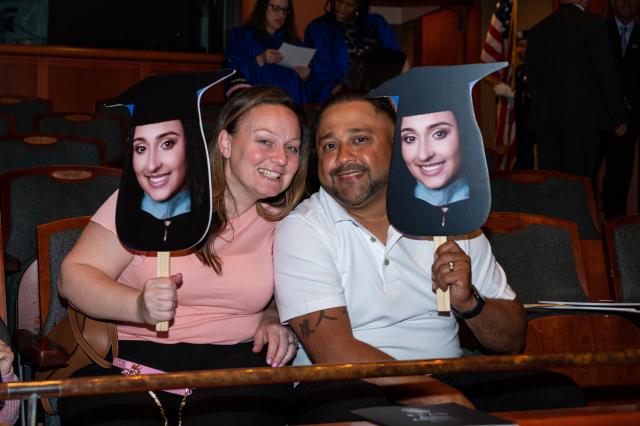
{"x":160,"y":136}
{"x":440,"y":123}
{"x":352,"y":130}
{"x":329,"y":135}
{"x":359,"y":130}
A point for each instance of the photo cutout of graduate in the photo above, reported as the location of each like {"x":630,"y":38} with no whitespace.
{"x":164,"y":201}
{"x":439,"y":181}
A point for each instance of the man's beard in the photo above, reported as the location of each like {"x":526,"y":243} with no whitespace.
{"x":359,"y":198}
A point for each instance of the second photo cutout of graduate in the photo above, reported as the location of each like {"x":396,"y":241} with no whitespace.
{"x":438,"y":182}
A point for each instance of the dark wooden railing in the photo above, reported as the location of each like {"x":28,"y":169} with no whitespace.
{"x":265,"y":375}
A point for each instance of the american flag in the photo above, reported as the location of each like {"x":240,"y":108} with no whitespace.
{"x":497,"y":48}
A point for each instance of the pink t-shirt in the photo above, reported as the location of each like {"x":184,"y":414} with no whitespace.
{"x":214,"y":309}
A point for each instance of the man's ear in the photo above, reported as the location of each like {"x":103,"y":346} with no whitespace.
{"x":224,"y":143}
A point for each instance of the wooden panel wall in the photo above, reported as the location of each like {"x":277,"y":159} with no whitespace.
{"x":443,"y":38}
{"x":18,"y":75}
{"x":75,"y":78}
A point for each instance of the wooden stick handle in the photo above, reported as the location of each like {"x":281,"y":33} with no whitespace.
{"x":164,"y":270}
{"x":443,"y":302}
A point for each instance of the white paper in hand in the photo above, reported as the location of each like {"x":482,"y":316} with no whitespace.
{"x":295,"y":55}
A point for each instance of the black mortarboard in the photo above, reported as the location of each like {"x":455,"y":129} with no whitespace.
{"x":425,"y":90}
{"x":167,"y":97}
{"x":182,"y":221}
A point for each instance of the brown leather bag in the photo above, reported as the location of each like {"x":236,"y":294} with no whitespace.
{"x":86,"y":340}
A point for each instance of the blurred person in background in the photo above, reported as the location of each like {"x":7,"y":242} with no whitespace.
{"x":624,"y":40}
{"x":252,"y":49}
{"x":346,"y":31}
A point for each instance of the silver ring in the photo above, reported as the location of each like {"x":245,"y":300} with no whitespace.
{"x":293,"y":342}
{"x":451,"y":268}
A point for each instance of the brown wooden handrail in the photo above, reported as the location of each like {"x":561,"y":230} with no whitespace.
{"x":265,"y":375}
{"x":110,"y":54}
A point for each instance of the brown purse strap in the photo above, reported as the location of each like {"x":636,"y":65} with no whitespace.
{"x":113,"y":336}
{"x":46,"y":404}
{"x":86,"y":347}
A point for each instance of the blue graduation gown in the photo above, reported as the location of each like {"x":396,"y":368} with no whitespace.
{"x":331,"y":61}
{"x":245,"y":44}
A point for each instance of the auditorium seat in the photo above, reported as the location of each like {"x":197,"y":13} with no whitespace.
{"x":7,"y":124}
{"x":35,"y":149}
{"x":24,"y":109}
{"x":542,"y":256}
{"x":559,"y":195}
{"x":55,"y":240}
{"x":110,"y":130}
{"x":38,"y":195}
{"x":623,"y":244}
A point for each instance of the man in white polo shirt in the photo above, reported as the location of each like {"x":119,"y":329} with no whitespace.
{"x":354,"y":289}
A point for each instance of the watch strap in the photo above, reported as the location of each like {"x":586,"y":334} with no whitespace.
{"x":473,"y":312}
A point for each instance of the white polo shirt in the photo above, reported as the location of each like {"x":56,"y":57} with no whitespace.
{"x":325,"y":259}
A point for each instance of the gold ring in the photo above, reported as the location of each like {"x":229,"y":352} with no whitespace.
{"x":451,"y":268}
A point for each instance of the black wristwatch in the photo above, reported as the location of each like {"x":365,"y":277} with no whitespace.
{"x":473,"y":312}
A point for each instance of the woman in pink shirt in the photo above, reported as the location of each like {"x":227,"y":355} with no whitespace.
{"x":219,"y":300}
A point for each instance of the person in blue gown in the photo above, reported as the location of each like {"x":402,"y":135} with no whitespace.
{"x":253,"y":48}
{"x":343,"y":33}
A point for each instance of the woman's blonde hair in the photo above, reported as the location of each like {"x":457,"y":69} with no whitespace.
{"x":232,"y":114}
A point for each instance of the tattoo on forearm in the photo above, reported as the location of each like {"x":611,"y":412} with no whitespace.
{"x":305,"y":328}
{"x":324,"y":316}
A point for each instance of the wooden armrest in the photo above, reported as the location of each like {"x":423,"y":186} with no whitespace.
{"x":587,"y":332}
{"x":595,"y":265}
{"x":420,"y":390}
{"x":40,"y":350}
{"x":11,"y":264}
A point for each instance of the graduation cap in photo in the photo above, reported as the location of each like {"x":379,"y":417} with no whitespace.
{"x":166,"y":206}
{"x":440,"y":187}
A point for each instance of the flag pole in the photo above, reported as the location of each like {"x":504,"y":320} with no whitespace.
{"x":513,"y":36}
